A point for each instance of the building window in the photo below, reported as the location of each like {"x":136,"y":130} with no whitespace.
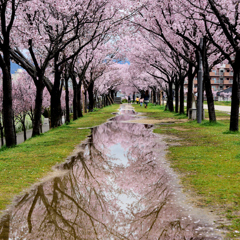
{"x":227,"y":86}
{"x":227,"y":78}
{"x":228,"y":70}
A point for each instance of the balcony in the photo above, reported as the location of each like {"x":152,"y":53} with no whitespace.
{"x":212,"y":74}
{"x":215,"y":82}
{"x":227,"y":82}
{"x":228,"y":74}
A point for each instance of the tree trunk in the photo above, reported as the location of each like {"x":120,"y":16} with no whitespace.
{"x":112,"y":93}
{"x":160,"y":97}
{"x":7,"y":97}
{"x":90,"y":96}
{"x":208,"y":87}
{"x":1,"y":129}
{"x":85,"y":101}
{"x":235,"y":94}
{"x":103,"y":101}
{"x":79,"y":96}
{"x":38,"y":107}
{"x":170,"y":97}
{"x":56,"y":111}
{"x":74,"y":98}
{"x":190,"y":86}
{"x":24,"y":128}
{"x":154,"y":96}
{"x":176,"y":96}
{"x":181,"y":95}
{"x":67,"y":119}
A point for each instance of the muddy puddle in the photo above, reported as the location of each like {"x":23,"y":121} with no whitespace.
{"x":119,"y":186}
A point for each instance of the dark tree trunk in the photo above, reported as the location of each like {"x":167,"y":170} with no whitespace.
{"x":235,"y":94}
{"x":190,"y":86}
{"x":208,"y":87}
{"x":85,"y":101}
{"x":38,"y":107}
{"x":153,"y":95}
{"x":90,"y":96}
{"x":24,"y":129}
{"x":181,"y":95}
{"x":74,"y":98}
{"x":67,"y":120}
{"x":6,"y":27}
{"x":56,"y":111}
{"x":176,"y":96}
{"x":104,"y":101}
{"x":41,"y":123}
{"x":1,"y":129}
{"x":7,"y":98}
{"x":112,"y":93}
{"x":170,"y":97}
{"x":79,"y":96}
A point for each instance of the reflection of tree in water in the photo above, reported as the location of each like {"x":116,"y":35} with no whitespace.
{"x":84,"y":204}
{"x":153,"y":216}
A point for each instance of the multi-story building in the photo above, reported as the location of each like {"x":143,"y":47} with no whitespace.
{"x":221,"y":78}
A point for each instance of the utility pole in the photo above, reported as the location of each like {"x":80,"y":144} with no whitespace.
{"x":200,"y":85}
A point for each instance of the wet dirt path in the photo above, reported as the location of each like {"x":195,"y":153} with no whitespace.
{"x":118,"y":185}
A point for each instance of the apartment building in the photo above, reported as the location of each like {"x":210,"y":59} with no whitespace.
{"x":221,"y":78}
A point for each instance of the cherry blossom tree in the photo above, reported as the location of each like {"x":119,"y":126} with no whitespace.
{"x":7,"y":15}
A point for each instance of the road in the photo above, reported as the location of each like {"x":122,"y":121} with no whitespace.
{"x":20,"y":137}
{"x":219,"y":108}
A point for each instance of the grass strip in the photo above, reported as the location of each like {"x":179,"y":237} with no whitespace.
{"x":221,"y":103}
{"x":208,"y":158}
{"x":26,"y":163}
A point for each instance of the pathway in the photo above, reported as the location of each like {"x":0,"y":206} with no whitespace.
{"x":118,"y":185}
{"x":219,"y":108}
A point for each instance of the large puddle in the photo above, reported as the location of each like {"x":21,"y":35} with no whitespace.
{"x":119,"y":186}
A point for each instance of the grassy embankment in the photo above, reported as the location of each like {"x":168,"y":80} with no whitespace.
{"x":25,"y":164}
{"x":208,"y":159}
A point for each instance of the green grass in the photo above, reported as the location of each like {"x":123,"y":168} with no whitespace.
{"x":221,"y":103}
{"x":27,"y":163}
{"x":208,"y":159}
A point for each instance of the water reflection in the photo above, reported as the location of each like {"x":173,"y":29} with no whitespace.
{"x":117,"y":188}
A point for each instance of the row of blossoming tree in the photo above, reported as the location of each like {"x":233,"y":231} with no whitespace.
{"x":167,"y":47}
{"x":78,"y":40}
{"x":57,"y":42}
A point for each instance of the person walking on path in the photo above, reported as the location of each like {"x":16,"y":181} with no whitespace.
{"x":142,"y":98}
{"x":137,"y":100}
{"x":146,"y":98}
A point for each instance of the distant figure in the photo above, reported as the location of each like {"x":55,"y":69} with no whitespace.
{"x":133,"y":97}
{"x":146,"y":98}
{"x":129,"y":99}
{"x":142,"y":98}
{"x":137,"y":100}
